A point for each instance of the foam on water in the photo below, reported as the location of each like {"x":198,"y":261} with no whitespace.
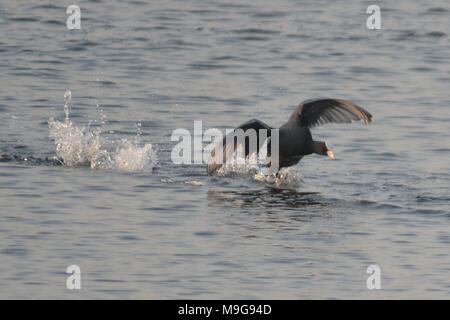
{"x":81,"y":146}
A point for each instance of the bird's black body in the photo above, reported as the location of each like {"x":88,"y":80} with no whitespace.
{"x":295,"y":143}
{"x":295,"y":138}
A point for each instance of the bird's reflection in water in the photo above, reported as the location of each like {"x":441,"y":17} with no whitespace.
{"x":264,"y":198}
{"x":268,"y":208}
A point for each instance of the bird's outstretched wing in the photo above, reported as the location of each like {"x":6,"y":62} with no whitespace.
{"x":316,"y":112}
{"x":229,"y":145}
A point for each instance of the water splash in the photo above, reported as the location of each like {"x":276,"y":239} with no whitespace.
{"x":67,"y":99}
{"x":82,"y":146}
{"x":254,"y":168}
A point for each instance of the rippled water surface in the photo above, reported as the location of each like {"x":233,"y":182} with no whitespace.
{"x":140,"y":226}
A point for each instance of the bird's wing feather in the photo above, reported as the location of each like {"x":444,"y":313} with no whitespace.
{"x":228,"y":147}
{"x":316,"y":112}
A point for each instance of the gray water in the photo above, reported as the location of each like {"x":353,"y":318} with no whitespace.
{"x":171,"y":231}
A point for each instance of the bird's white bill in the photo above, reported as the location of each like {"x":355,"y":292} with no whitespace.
{"x":330,"y":154}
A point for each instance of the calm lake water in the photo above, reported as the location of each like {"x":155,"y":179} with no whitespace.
{"x":147,"y":228}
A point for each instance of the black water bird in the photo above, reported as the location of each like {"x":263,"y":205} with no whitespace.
{"x":295,"y":139}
